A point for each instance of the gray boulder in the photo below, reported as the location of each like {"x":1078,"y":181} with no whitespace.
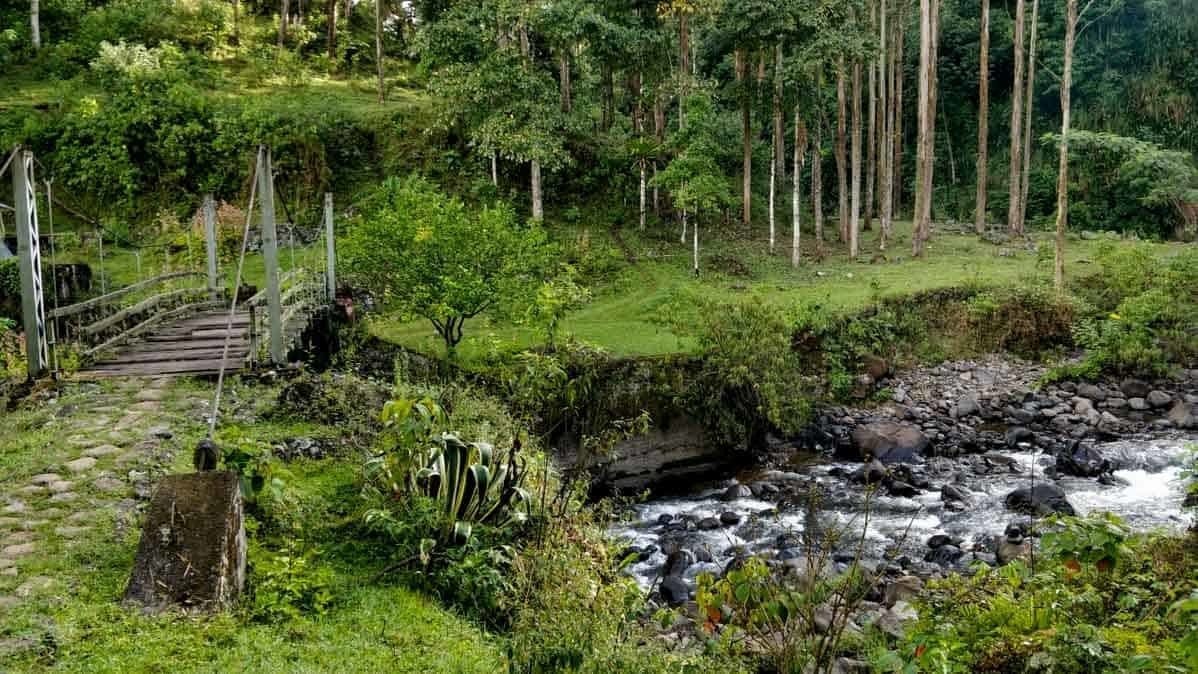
{"x":1091,"y":391}
{"x":1159,"y":399}
{"x":1184,"y":415}
{"x":889,"y":442}
{"x":1134,"y":388}
{"x":1042,"y":499}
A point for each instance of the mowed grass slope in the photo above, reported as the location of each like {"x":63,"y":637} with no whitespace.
{"x":634,"y":312}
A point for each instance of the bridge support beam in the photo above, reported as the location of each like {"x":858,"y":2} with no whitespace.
{"x":29,"y":259}
{"x":270,"y":254}
{"x":210,"y":245}
{"x":330,"y":249}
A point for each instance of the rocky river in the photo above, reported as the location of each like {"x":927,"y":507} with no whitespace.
{"x":948,"y":472}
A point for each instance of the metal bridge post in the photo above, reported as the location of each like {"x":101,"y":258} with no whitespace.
{"x":270,"y":253}
{"x":210,"y":241}
{"x":29,"y":258}
{"x":330,"y":249}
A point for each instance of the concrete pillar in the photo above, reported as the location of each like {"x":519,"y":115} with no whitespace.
{"x":270,"y":254}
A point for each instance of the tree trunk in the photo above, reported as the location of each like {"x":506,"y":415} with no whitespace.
{"x":1027,"y":114}
{"x":684,"y":65}
{"x":746,"y":126}
{"x":695,"y":234}
{"x":684,"y":226}
{"x":1063,"y":149}
{"x":979,"y":216}
{"x":563,"y":69}
{"x":331,"y":33}
{"x":855,"y":214}
{"x":796,"y":251}
{"x":538,"y":211}
{"x":659,"y":134}
{"x":378,"y":47}
{"x":236,"y":37}
{"x":1015,"y":184}
{"x":898,"y":89}
{"x":886,"y":130}
{"x":284,"y":14}
{"x":778,"y":153}
{"x":495,"y":169}
{"x":817,"y":182}
{"x":35,"y":24}
{"x":842,"y":176}
{"x":635,"y":92}
{"x":643,"y":180}
{"x":871,"y":134}
{"x":609,"y":96}
{"x":928,"y":25}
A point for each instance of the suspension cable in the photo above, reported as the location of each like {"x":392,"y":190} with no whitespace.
{"x":245,"y":240}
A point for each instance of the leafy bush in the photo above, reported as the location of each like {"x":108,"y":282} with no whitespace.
{"x":288,"y":584}
{"x":1025,"y":320}
{"x":345,"y":401}
{"x":193,"y":24}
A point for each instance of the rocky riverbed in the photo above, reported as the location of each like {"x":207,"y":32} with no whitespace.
{"x":948,"y":472}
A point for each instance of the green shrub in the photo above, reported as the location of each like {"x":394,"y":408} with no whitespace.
{"x":288,"y":584}
{"x":1025,"y":320}
{"x":193,"y":24}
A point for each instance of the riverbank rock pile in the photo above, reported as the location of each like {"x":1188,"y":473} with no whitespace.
{"x":973,"y":407}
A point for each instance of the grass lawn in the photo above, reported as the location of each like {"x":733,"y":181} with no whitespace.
{"x":60,"y":603}
{"x":630,"y":313}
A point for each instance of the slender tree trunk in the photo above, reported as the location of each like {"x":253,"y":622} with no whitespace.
{"x":643,"y":180}
{"x":284,"y":12}
{"x":236,"y":37}
{"x":609,"y":96}
{"x":695,"y":234}
{"x":331,"y":29}
{"x":886,"y":131}
{"x":898,"y":88}
{"x":1063,"y":149}
{"x":563,"y":69}
{"x":495,"y":169}
{"x":684,"y":226}
{"x":1028,"y":106}
{"x":378,"y":48}
{"x":800,"y":150}
{"x":684,"y":65}
{"x":635,"y":92}
{"x":746,"y":126}
{"x":538,"y":209}
{"x":35,"y":24}
{"x":983,"y":170}
{"x":842,"y":176}
{"x":1015,"y":184}
{"x":817,"y":183}
{"x":871,"y":134}
{"x":855,"y":213}
{"x":778,"y":154}
{"x":928,"y":10}
{"x":659,"y":134}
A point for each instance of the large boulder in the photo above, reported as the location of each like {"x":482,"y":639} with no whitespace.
{"x":1159,"y":399}
{"x":1042,"y":499}
{"x":1135,"y":388}
{"x":1083,"y":461}
{"x":889,"y":442}
{"x":1184,"y":415}
{"x":192,"y":549}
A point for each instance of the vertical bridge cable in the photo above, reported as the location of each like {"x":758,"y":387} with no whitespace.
{"x":245,"y":239}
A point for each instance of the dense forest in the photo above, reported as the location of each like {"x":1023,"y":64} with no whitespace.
{"x":773,"y":336}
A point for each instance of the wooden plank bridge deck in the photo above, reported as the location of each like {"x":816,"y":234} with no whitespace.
{"x":191,"y":346}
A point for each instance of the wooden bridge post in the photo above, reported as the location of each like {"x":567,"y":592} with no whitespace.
{"x":210,"y":244}
{"x":330,"y":249}
{"x":29,"y":259}
{"x":270,"y":253}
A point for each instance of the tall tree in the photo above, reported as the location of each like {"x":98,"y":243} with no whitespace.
{"x":983,"y":163}
{"x":872,"y":168}
{"x":1028,"y":107}
{"x":741,"y":66}
{"x":331,"y":35}
{"x":842,"y":176}
{"x":35,"y":27}
{"x":817,"y":181}
{"x":855,"y":214}
{"x":886,"y":129}
{"x":800,"y":153}
{"x":1071,"y":18}
{"x":929,"y":25}
{"x":378,"y":48}
{"x":898,"y":87}
{"x":1015,"y":183}
{"x":284,"y":16}
{"x":778,"y":166}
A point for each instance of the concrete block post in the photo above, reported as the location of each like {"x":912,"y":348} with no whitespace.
{"x":210,"y":245}
{"x":270,"y":254}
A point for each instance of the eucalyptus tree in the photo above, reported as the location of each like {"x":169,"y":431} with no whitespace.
{"x":983,"y":159}
{"x":929,"y":32}
{"x":1015,"y":183}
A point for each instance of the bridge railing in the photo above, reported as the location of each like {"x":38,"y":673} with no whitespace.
{"x":101,"y":323}
{"x":302,"y":292}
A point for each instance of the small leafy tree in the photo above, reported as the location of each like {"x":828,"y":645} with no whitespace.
{"x":427,"y":255}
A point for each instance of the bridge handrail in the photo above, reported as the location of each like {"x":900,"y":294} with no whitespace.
{"x":141,"y":307}
{"x":151,"y":322}
{"x":80,"y":307}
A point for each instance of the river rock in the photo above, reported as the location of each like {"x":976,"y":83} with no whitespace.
{"x":1092,"y":392}
{"x":966,"y":406}
{"x":729,"y":518}
{"x":736,"y":491}
{"x":1083,"y":461}
{"x":889,"y":442}
{"x":1042,"y":499}
{"x":871,"y":473}
{"x":678,"y":562}
{"x":1184,"y":415}
{"x":1018,"y":434}
{"x":1134,"y":388}
{"x":939,"y":540}
{"x":1159,"y":399}
{"x":708,"y":524}
{"x":674,"y":591}
{"x":902,"y":589}
{"x":902,"y":489}
{"x":944,"y":555}
{"x":953,"y":493}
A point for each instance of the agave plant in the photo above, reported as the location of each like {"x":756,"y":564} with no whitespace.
{"x":472,"y":486}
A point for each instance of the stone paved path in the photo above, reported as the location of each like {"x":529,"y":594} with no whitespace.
{"x":105,"y":446}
